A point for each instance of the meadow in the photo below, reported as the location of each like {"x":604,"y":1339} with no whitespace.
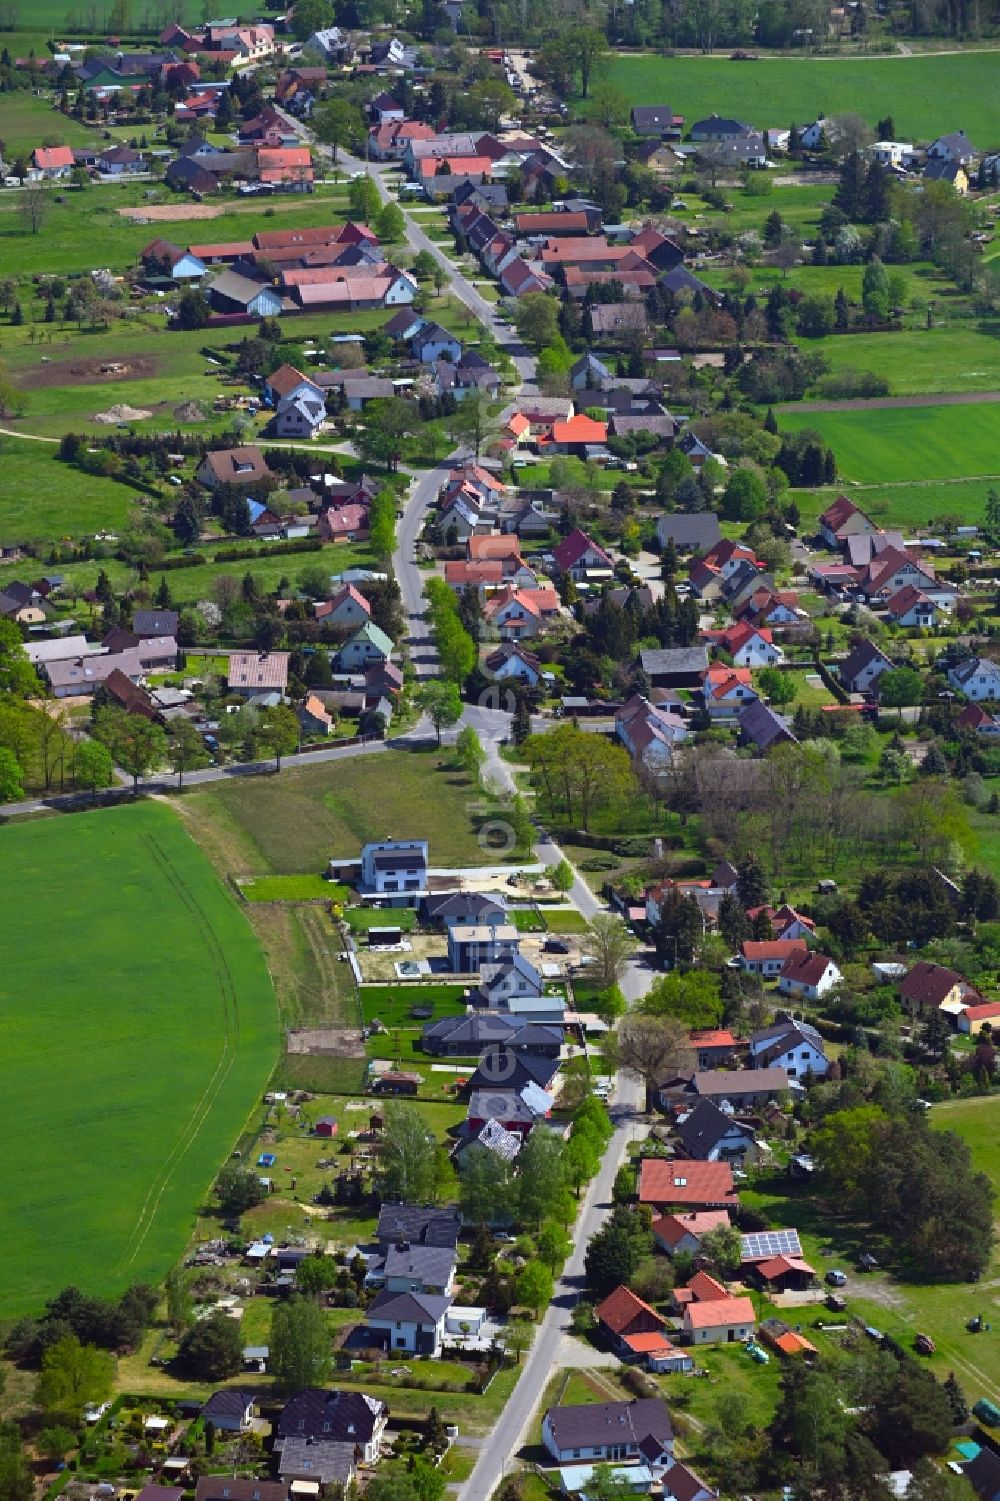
{"x":885,"y":445}
{"x":44,"y":500}
{"x":921,"y":362}
{"x":296,"y":821}
{"x":922,"y":92}
{"x":140,"y":1028}
{"x":26,"y":119}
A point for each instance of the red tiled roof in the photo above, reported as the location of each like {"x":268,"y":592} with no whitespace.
{"x":620,"y":1308}
{"x":662,"y":1182}
{"x":672,"y":1228}
{"x":720,"y":1313}
{"x":706,"y":1289}
{"x":779,"y":948}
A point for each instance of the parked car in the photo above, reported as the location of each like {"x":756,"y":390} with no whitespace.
{"x":836,"y":1303}
{"x":555,"y":946}
{"x":836,"y":1278}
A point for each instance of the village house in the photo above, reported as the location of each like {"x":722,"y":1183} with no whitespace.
{"x":685,"y":1185}
{"x":395,"y":868}
{"x":230,"y":1411}
{"x":861,"y":668}
{"x":977,"y":678}
{"x":514,"y":661}
{"x":767,"y":956}
{"x":708,"y":1134}
{"x":910,"y":607}
{"x":928,"y":987}
{"x":792,"y":1045}
{"x":717,"y":1321}
{"x":638,"y":1332}
{"x":232,"y":466}
{"x":972,"y":1019}
{"x":253,"y":672}
{"x":578,"y":555}
{"x":367,"y":647}
{"x":347,"y":609}
{"x":608,"y":1430}
{"x":808,"y":975}
{"x":649,"y":733}
{"x":320,"y":1416}
{"x":748,"y":645}
{"x":471,"y":945}
{"x":684,"y":1231}
{"x":761,"y":726}
{"x":843,"y":519}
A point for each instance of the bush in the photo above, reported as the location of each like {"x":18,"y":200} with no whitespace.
{"x":850,"y":383}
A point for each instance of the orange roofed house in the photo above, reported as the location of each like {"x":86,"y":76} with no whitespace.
{"x":639,"y":1333}
{"x":686,"y":1185}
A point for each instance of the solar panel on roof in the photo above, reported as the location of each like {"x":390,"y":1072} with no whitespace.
{"x":759,"y":1245}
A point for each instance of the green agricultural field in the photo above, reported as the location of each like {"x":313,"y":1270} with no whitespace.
{"x":296,"y":821}
{"x":921,"y":362}
{"x":886,"y":445}
{"x":923,"y":92}
{"x":139,"y":1030}
{"x":44,"y":500}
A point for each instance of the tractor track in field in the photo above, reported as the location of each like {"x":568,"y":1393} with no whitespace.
{"x":231,"y":1038}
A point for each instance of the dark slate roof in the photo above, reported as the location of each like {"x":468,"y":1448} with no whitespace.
{"x":699,"y":530}
{"x":759,"y":723}
{"x":512,"y":1070}
{"x":155,"y":622}
{"x":652,"y":117}
{"x":327,"y":1461}
{"x":237,"y":1488}
{"x":227,"y":1404}
{"x":684,"y":659}
{"x":432,"y":1264}
{"x":473,"y":1032}
{"x":408,"y":1308}
{"x":464,"y":906}
{"x":702,"y":1130}
{"x":320,"y":1414}
{"x":983,"y":1474}
{"x":418,"y":1223}
{"x":594,"y":1423}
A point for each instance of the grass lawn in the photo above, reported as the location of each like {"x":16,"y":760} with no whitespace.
{"x":90,"y":217}
{"x":693,"y":1401}
{"x":25,"y":119}
{"x":886,"y":445}
{"x":188,"y":585}
{"x":392,"y":1004}
{"x":360,"y":919}
{"x":296,"y":821}
{"x":563,"y":920}
{"x":920,"y":361}
{"x":136,"y":1046}
{"x":902,"y":1308}
{"x":527,"y":920}
{"x":45,"y":500}
{"x":905,"y":506}
{"x":921,"y":92}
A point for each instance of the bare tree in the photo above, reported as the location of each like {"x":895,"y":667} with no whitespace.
{"x":651,"y":1048}
{"x":33,"y":207}
{"x":609,"y":945}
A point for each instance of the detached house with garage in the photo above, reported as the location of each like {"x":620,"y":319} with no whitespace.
{"x":412,"y":1322}
{"x":977,"y":678}
{"x":637,"y":1332}
{"x":843,"y":519}
{"x":934,"y":987}
{"x":609,"y":1431}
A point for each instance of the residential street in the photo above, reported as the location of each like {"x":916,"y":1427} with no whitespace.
{"x":513,"y":1424}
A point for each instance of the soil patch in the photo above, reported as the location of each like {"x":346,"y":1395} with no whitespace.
{"x":88,"y":372}
{"x":864,"y":403}
{"x":189,"y":411}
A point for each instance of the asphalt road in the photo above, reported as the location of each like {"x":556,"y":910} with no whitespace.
{"x":512,"y":1425}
